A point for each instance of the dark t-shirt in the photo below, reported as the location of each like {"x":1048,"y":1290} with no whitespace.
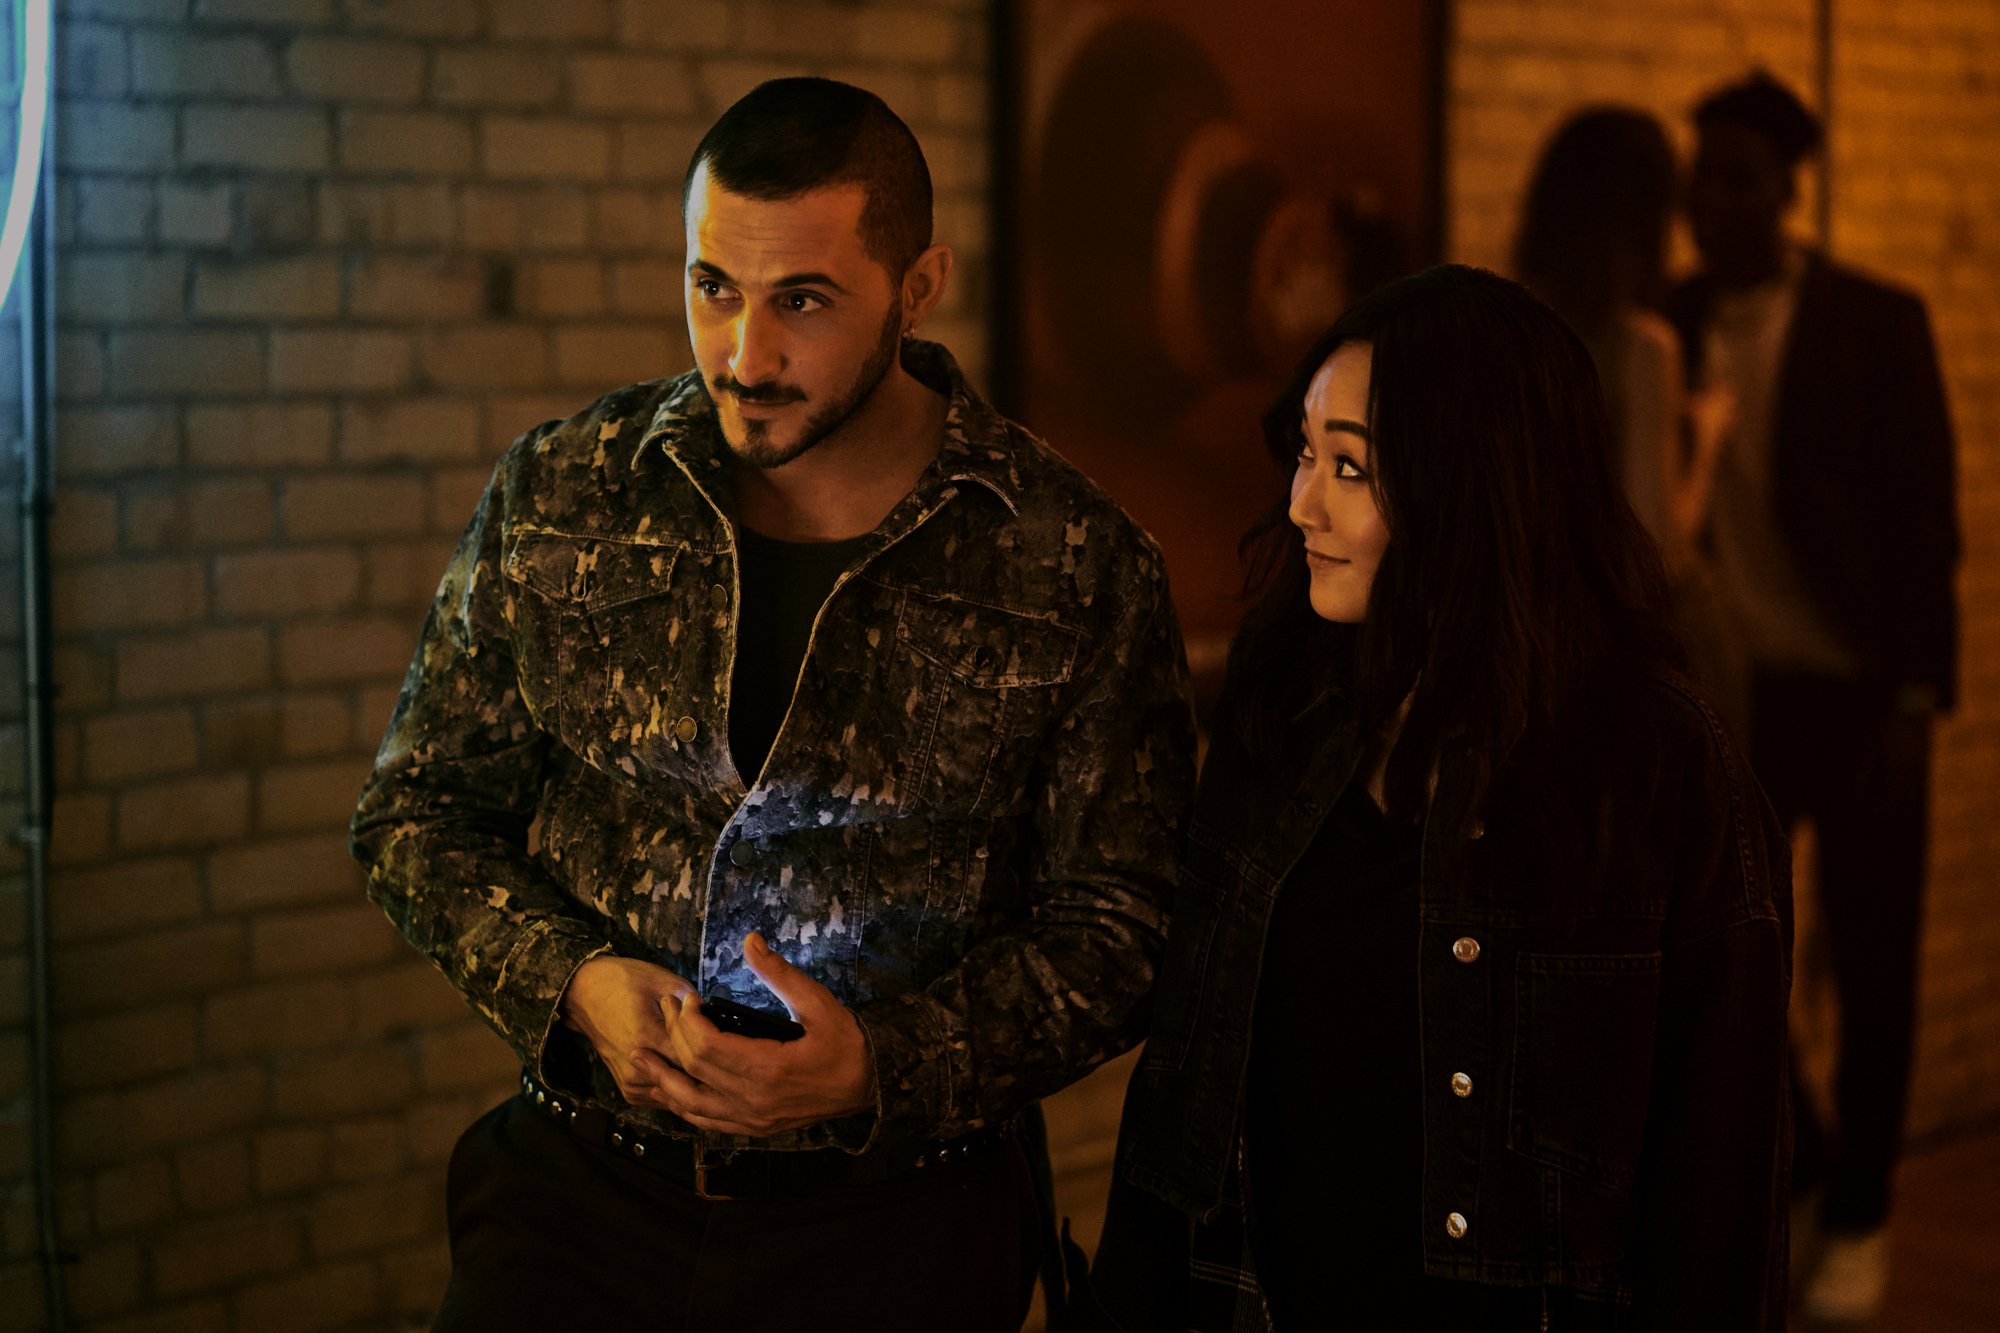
{"x":784,"y":584}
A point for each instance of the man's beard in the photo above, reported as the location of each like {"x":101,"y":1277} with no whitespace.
{"x":759,"y":450}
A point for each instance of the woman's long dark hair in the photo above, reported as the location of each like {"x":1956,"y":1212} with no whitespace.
{"x":1515,"y":569}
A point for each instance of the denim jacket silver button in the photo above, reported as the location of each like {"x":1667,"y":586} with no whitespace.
{"x":1461,"y":1085}
{"x":742,"y":854}
{"x":1465,"y":949}
{"x":718,"y":597}
{"x":1456,"y":1226}
{"x":686,"y":729}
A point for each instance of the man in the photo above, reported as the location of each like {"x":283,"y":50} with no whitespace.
{"x":1834,"y":539}
{"x":804,"y":680}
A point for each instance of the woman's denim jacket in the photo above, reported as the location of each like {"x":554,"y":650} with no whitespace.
{"x":1604,"y":964}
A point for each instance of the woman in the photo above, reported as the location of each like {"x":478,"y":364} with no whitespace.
{"x":1474,"y":1003}
{"x":1593,"y":244}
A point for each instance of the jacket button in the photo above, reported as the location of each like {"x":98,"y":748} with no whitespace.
{"x":1476,"y":830}
{"x":1465,"y":949}
{"x":686,"y":729}
{"x":718,"y":597}
{"x":1456,"y":1226}
{"x":1461,"y":1085}
{"x":742,"y":854}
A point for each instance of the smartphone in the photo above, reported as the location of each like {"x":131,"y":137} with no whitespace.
{"x":747,"y":1022}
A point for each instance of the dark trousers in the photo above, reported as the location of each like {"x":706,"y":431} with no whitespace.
{"x":549,"y":1232}
{"x":1832,"y":751}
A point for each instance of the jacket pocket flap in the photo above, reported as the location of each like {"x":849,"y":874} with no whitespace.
{"x":595,"y":572}
{"x":1583,"y":1068}
{"x":988,"y":646}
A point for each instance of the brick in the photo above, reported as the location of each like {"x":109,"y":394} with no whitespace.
{"x":405,"y":575}
{"x":124,"y":897}
{"x":414,"y":429}
{"x":511,"y":76}
{"x":91,"y":60}
{"x":523,"y":148}
{"x":82,"y":823}
{"x":266,"y":1020}
{"x":371,"y":505}
{"x":175,"y":64}
{"x":642,"y":85}
{"x":197,"y":214}
{"x":278,"y":215}
{"x":725,"y":79}
{"x":349,"y":70}
{"x":274,"y":289}
{"x":125,"y":1048}
{"x":288,"y":13}
{"x":79,"y":366}
{"x":120,"y":288}
{"x":415,"y":18}
{"x":129,"y":594}
{"x":429,"y":289}
{"x":340,"y":360}
{"x":696,"y":25}
{"x":317,"y":724}
{"x":187,"y":812}
{"x":347,"y":649}
{"x":256,"y":138}
{"x":83,"y":524}
{"x":648,"y":287}
{"x":368,"y":1149}
{"x":205,"y":1256}
{"x":374,"y":1217}
{"x":168,"y":1317}
{"x":613,"y":354}
{"x":315,"y":1300}
{"x":489,"y":356}
{"x":105,"y":441}
{"x":657,"y":152}
{"x":113,"y":211}
{"x":454,"y":494}
{"x":559,"y":287}
{"x":199,"y":516}
{"x":433,"y":1127}
{"x":132,"y":1195}
{"x":82,"y":677}
{"x":513,"y":219}
{"x":206,"y":363}
{"x":120,"y":746}
{"x":106,"y":1279}
{"x":417,"y":142}
{"x":261,"y":583}
{"x":310,"y":796}
{"x":214,"y":1177}
{"x":414,"y":1275}
{"x":113,"y":136}
{"x":631,"y":219}
{"x":321,"y":940}
{"x":168,"y":964}
{"x":262,"y":435}
{"x":909,"y":36}
{"x":578,"y":20}
{"x":321,"y":1086}
{"x":466,"y":1056}
{"x":291,"y":1159}
{"x":413,"y":995}
{"x":193,"y":665}
{"x":818,"y":31}
{"x":240,"y":733}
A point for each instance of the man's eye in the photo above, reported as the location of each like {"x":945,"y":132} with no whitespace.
{"x":802,"y":303}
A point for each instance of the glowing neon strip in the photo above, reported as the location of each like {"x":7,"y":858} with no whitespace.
{"x":34,"y":132}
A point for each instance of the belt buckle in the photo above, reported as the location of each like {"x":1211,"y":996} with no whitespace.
{"x":701,"y":1177}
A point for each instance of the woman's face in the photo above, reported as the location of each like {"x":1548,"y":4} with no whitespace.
{"x":1333,"y":500}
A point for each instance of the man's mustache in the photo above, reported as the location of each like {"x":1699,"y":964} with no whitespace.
{"x":767,"y":395}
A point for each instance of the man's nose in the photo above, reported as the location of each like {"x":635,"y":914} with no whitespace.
{"x":757,"y":356}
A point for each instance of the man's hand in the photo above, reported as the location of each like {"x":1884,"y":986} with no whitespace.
{"x":617,"y":1003}
{"x":753,"y":1085}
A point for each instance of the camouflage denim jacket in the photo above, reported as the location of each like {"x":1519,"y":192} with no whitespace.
{"x":967,"y":828}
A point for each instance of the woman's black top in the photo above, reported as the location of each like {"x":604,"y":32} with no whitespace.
{"x":1335,"y":1120}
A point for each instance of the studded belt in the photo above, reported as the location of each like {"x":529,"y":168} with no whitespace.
{"x":752,"y":1173}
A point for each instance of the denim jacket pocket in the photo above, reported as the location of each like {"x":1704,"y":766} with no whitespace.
{"x":988,"y":681}
{"x":1583,"y":1061}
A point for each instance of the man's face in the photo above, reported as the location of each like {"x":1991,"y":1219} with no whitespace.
{"x":1737,"y":198}
{"x":793,"y":325}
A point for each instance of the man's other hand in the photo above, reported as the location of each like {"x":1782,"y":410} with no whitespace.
{"x":617,"y":1004}
{"x":753,"y":1085}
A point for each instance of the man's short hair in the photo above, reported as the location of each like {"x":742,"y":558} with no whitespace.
{"x":1762,"y":104}
{"x":788,"y":136}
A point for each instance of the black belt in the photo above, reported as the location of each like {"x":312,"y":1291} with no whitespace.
{"x":752,"y":1173}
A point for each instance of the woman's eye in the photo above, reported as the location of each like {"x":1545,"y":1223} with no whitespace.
{"x":1347,"y":469}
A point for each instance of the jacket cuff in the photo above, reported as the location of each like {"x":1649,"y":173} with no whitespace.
{"x":528,"y":995}
{"x":917,"y":1069}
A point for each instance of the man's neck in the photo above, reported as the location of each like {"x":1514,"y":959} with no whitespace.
{"x":845,"y":485}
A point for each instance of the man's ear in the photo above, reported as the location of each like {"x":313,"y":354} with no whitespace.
{"x":923,"y":285}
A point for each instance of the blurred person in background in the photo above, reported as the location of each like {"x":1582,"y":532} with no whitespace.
{"x":1473,"y":1013}
{"x":1834,"y":539}
{"x":1593,"y":244}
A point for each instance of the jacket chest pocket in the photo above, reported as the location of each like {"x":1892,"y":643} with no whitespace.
{"x":984,"y":683}
{"x":594,"y":621}
{"x":1583,"y":1061}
